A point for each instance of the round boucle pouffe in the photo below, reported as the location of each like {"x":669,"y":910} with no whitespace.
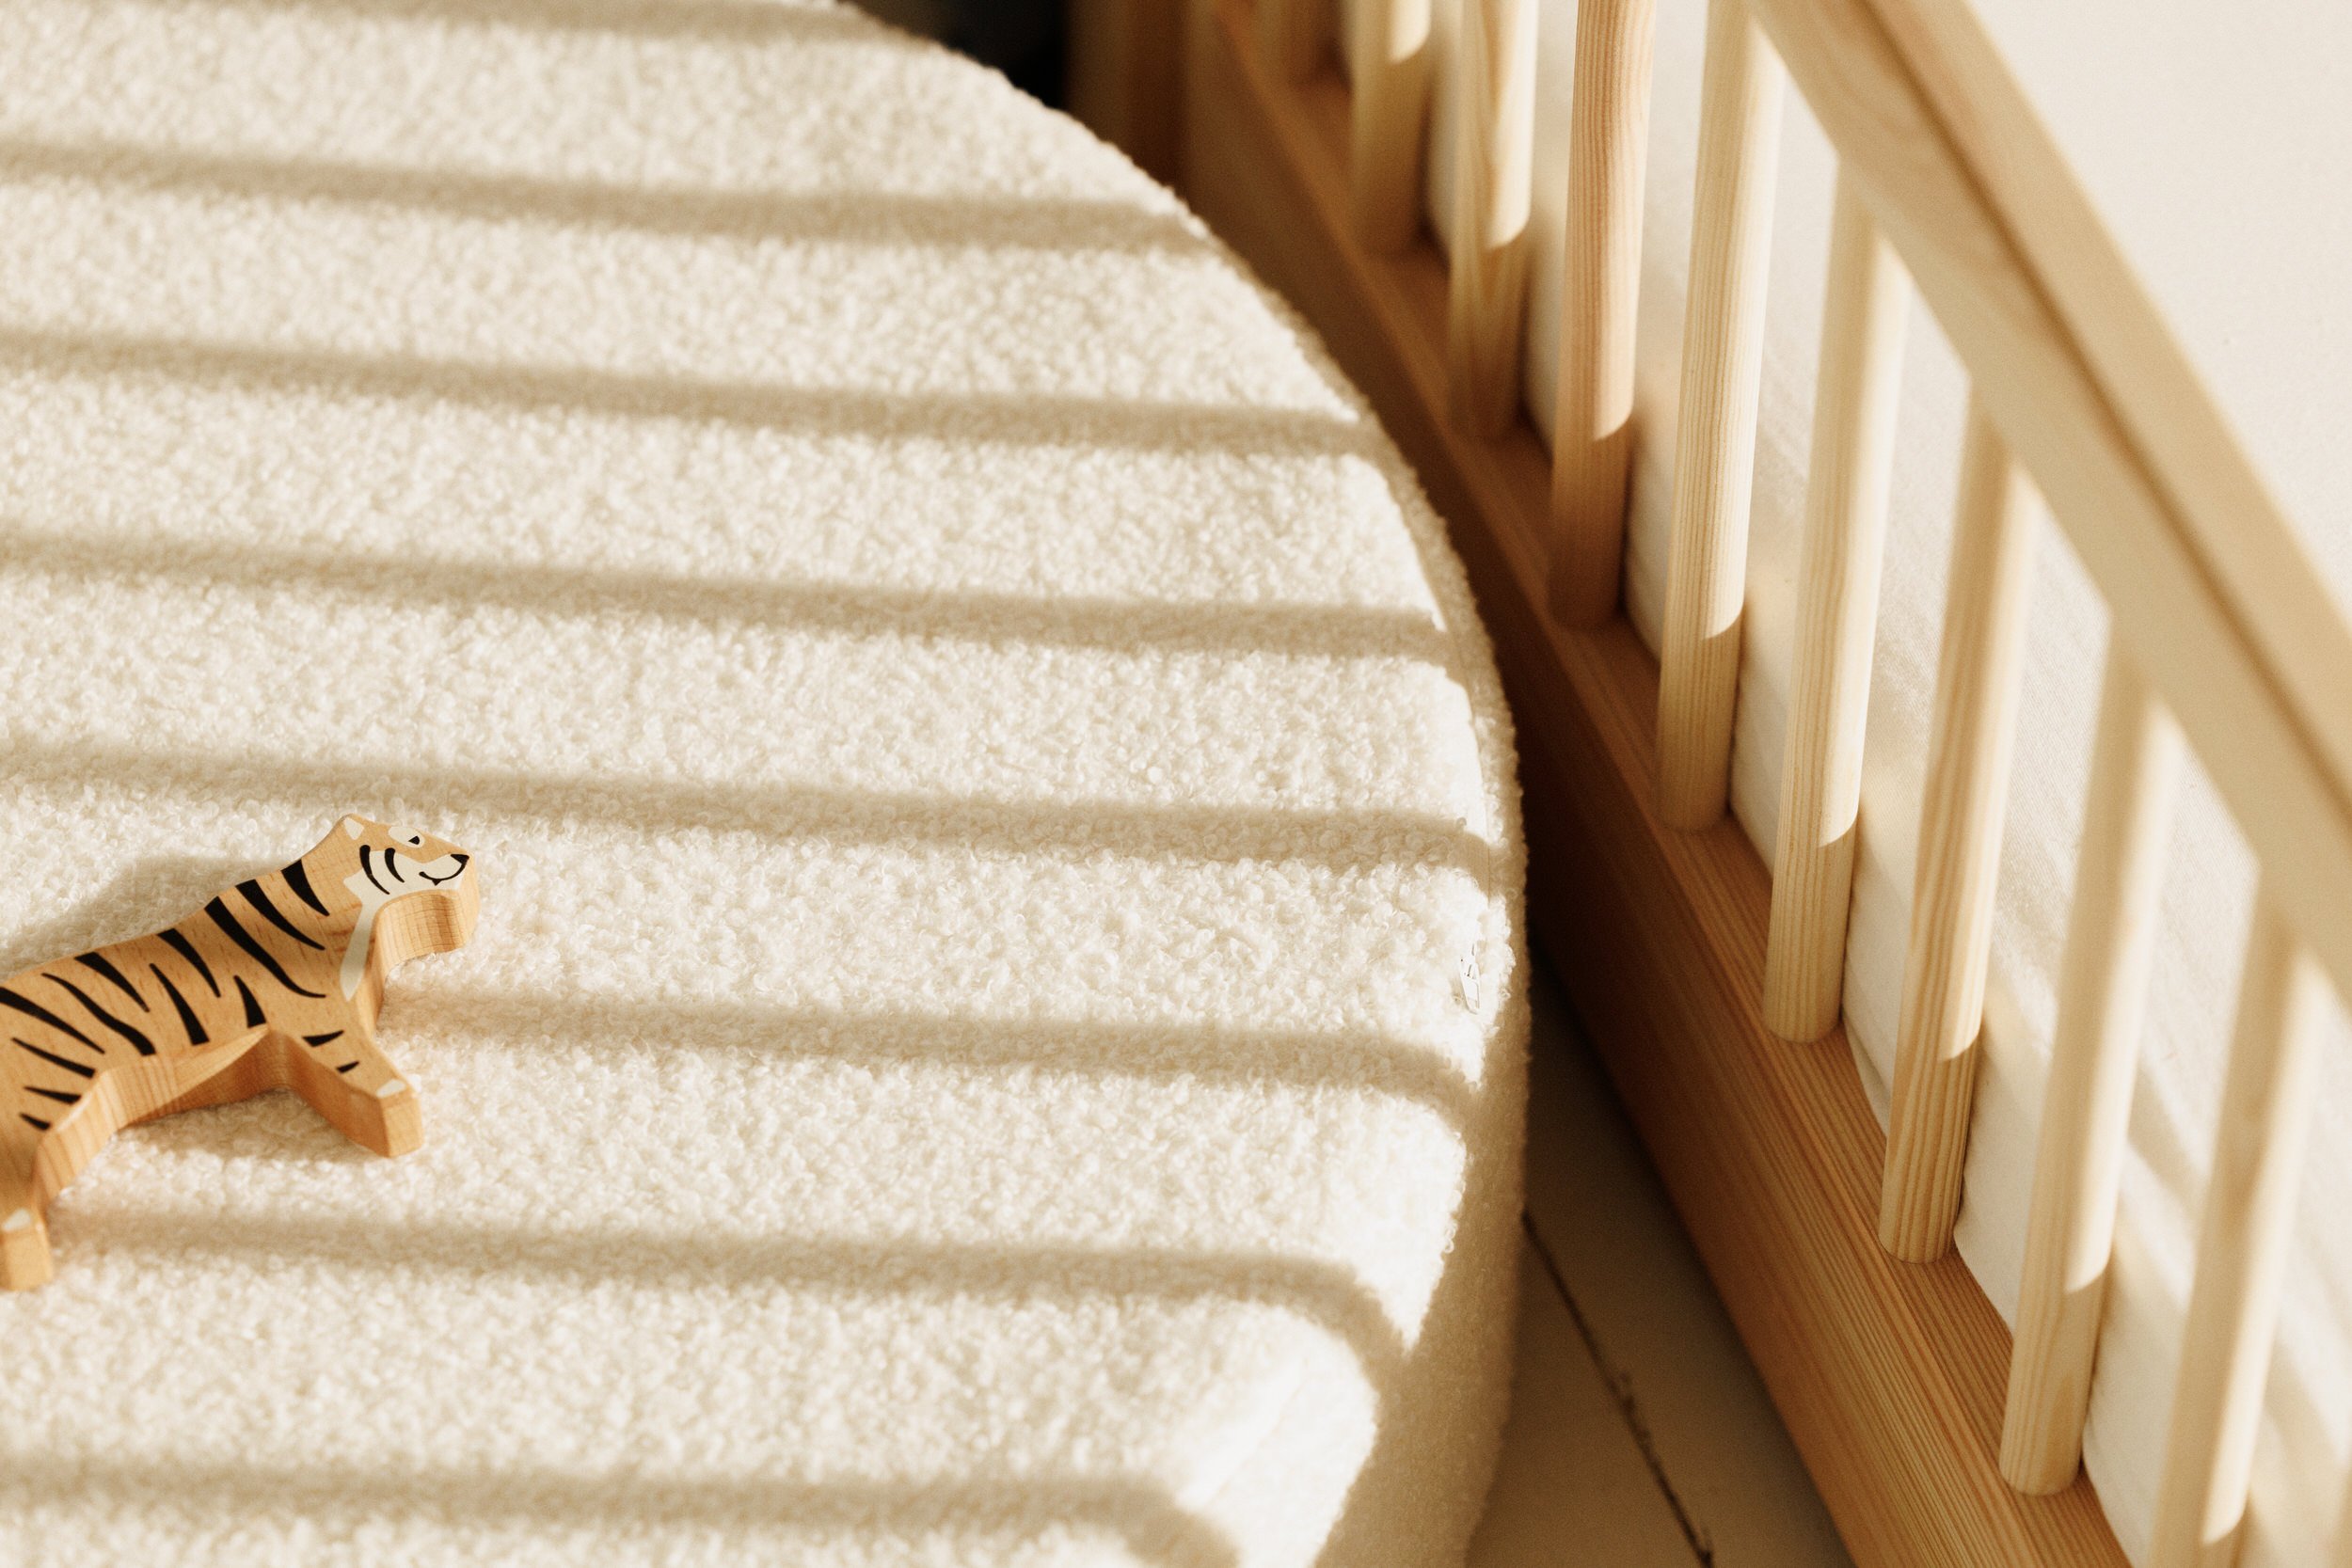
{"x":995,"y":1030}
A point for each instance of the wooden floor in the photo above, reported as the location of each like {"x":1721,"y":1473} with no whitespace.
{"x":1639,"y":1432}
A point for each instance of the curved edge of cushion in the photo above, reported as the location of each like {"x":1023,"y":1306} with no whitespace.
{"x":1418,"y":1495}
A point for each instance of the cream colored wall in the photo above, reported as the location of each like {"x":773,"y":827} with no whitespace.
{"x":2216,"y":143}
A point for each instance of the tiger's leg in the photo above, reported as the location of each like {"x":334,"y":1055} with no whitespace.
{"x":220,"y":1075}
{"x":356,"y":1087}
{"x":23,"y":1230}
{"x":40,"y":1156}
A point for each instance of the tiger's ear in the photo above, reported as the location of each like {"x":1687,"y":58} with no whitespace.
{"x":353,"y":827}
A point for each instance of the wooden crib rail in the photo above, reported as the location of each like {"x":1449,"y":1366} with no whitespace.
{"x":1868,"y":296}
{"x":1722,"y":364}
{"x":2240,"y":537}
{"x":1891,"y":1374}
{"x":2078,"y":1164}
{"x":1292,"y":36}
{"x":1495,"y":98}
{"x":1391,"y":74}
{"x":1969,"y":743}
{"x":1592,"y":430}
{"x":2241,"y":1249}
{"x":2247,"y":700}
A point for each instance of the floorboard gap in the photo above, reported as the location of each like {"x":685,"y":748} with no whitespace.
{"x":1621,"y":1390}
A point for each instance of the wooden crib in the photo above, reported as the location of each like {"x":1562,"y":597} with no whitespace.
{"x":1933,"y":1438}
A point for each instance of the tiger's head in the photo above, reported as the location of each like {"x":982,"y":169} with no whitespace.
{"x":406,"y":893}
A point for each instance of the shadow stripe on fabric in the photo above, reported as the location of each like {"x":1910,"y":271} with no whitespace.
{"x":1220,"y":626}
{"x":740,"y":21}
{"x":853,"y":217}
{"x":1036,"y":418}
{"x":1315,"y":1291}
{"x":1143,"y":1515}
{"x":1362,"y":1061}
{"x":1342,"y":841}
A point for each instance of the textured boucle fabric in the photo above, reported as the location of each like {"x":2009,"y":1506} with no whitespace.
{"x":995,"y":1032}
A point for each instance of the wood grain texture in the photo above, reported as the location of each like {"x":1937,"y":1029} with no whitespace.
{"x":2094,"y":1054}
{"x":1125,"y":79}
{"x":1868,"y":299}
{"x":2243,"y":696}
{"x":1493,"y":154}
{"x":1389,"y":75}
{"x":1889,"y":1376}
{"x":1971,"y":739}
{"x":2241,"y":1250}
{"x":1723,"y":360}
{"x":1592,"y":443}
{"x":276,"y":984}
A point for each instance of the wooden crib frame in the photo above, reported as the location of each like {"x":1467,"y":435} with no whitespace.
{"x":1932,"y":1438}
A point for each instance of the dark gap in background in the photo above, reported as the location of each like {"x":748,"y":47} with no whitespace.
{"x":1020,"y":37}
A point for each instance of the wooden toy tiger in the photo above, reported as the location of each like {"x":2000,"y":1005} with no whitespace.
{"x":274,"y":984}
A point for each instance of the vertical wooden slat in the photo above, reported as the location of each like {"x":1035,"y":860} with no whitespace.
{"x":1292,"y":37}
{"x":1975,"y":726}
{"x":1389,"y":109}
{"x":2241,"y":1250}
{"x":1495,"y":81}
{"x":1592,"y":437}
{"x":2102,"y":986}
{"x":1723,"y":356}
{"x":1120,"y":79}
{"x":1838,"y":600}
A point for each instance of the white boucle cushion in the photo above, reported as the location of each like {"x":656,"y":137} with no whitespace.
{"x":995,"y":1032}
